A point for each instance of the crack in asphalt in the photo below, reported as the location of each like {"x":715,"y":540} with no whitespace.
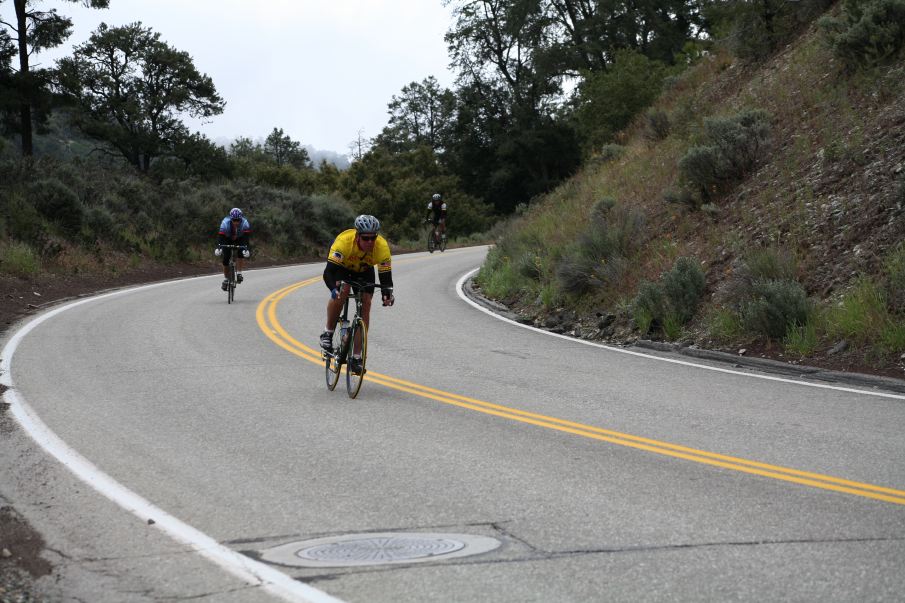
{"x":540,"y":555}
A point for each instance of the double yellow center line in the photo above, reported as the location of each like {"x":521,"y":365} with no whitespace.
{"x":268,"y":323}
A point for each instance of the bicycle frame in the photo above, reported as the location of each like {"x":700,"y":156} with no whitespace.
{"x":231,"y":285}
{"x":355,"y":337}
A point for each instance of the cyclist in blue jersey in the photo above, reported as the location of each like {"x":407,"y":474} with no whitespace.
{"x":234,"y":230}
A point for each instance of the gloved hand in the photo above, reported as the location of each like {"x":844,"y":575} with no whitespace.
{"x":246,"y":253}
{"x":218,"y":252}
{"x":388,"y":299}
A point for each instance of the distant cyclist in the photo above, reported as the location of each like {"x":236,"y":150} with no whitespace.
{"x":352,"y":257}
{"x":436,"y":215}
{"x":234,"y":230}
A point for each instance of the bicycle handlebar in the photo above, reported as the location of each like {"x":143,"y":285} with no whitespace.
{"x":360,"y":284}
{"x":221,"y":246}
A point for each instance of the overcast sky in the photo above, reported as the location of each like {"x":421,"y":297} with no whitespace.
{"x":320,"y":69}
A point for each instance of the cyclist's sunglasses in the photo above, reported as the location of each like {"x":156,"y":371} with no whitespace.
{"x":368,"y":237}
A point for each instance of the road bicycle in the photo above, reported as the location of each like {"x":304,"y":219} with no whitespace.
{"x":352,"y":334}
{"x":434,"y":239}
{"x":231,"y":270}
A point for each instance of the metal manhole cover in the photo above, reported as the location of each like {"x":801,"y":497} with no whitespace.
{"x":377,"y":549}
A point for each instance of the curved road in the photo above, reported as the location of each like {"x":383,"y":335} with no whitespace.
{"x":599,"y":475}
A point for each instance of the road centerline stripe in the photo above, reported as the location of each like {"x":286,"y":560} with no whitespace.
{"x":269,"y":324}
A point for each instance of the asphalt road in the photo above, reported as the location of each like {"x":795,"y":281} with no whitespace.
{"x":599,"y":475}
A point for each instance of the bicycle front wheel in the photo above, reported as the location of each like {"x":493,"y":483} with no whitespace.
{"x":430,"y":241}
{"x":443,"y":243}
{"x":231,"y":287}
{"x":359,"y":337}
{"x":333,"y":367}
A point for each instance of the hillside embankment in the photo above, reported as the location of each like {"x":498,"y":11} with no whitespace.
{"x":819,"y":212}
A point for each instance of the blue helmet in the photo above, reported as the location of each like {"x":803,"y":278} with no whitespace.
{"x":235,"y":214}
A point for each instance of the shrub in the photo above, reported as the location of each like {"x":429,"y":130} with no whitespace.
{"x":802,"y":340}
{"x":528,"y":264}
{"x":733,"y":147}
{"x":701,"y":167}
{"x":23,"y":221}
{"x":673,"y":301}
{"x":683,"y":286}
{"x":774,"y":307}
{"x":682,"y":198}
{"x":894,"y":279}
{"x":57,"y":203}
{"x":596,"y":260}
{"x":608,"y":100}
{"x":649,"y":305}
{"x":608,"y":152}
{"x":759,"y":28}
{"x":861,"y":315}
{"x":757,"y":266}
{"x":656,"y":125}
{"x":868,"y":33}
{"x":19,"y":259}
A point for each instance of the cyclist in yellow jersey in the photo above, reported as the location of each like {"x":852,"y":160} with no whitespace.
{"x":352,"y":257}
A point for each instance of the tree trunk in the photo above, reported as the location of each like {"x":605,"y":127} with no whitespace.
{"x":24,"y":79}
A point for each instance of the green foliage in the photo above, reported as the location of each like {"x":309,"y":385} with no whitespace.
{"x":683,"y":286}
{"x":649,"y":305}
{"x":724,"y":325}
{"x":497,"y":277}
{"x":23,"y":221}
{"x":608,"y":152}
{"x":803,"y":340}
{"x":282,"y":150}
{"x":763,"y":293}
{"x":682,"y":198}
{"x":657,"y":125}
{"x":608,"y":100}
{"x":757,"y":28}
{"x":131,"y":89}
{"x":673,"y":301}
{"x":861,"y":314}
{"x":774,"y":307}
{"x":395,"y":187}
{"x":57,"y":203}
{"x":868,"y":33}
{"x":96,"y":208}
{"x":733,"y":147}
{"x":19,"y":259}
{"x":894,"y":279}
{"x":597,"y":259}
{"x":25,"y":93}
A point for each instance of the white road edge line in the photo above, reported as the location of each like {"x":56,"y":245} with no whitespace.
{"x":460,"y":290}
{"x":244,"y":568}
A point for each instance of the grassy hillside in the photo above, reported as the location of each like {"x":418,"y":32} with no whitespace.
{"x":795,"y":249}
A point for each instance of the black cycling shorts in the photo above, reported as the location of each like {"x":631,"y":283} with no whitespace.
{"x":335,"y":272}
{"x":227,"y":252}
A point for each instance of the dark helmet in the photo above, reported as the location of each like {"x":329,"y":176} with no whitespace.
{"x":436,"y":197}
{"x":235,"y":214}
{"x":365,"y":224}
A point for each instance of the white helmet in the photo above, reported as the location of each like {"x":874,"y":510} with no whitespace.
{"x":366,"y":224}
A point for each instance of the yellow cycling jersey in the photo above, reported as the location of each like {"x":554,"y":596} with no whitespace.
{"x":345,"y":252}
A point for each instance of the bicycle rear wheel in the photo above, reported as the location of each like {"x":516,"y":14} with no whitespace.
{"x":358,"y":334}
{"x":334,"y":366}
